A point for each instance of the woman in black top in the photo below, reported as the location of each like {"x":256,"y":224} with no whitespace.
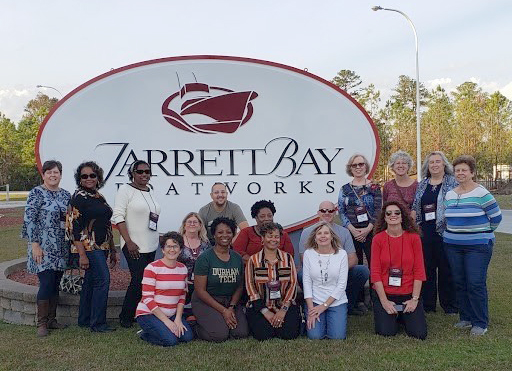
{"x":88,"y":226}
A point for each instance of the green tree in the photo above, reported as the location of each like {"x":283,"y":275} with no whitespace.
{"x":349,"y":81}
{"x":9,"y":150}
{"x":437,"y":123}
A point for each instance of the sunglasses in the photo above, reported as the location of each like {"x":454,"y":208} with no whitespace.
{"x":396,"y":212}
{"x":359,"y":164}
{"x":87,"y":176}
{"x":140,"y":172}
{"x":325,"y":211}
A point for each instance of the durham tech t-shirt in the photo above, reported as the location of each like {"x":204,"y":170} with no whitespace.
{"x":223,"y":278}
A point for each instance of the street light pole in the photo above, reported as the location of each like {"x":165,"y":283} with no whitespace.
{"x":50,"y":87}
{"x":418,"y":127}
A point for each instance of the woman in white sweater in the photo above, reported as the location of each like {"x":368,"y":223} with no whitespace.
{"x":136,"y":216}
{"x":325,"y":270}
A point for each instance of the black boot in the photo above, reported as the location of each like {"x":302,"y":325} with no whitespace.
{"x":52,"y":314}
{"x":42,"y":317}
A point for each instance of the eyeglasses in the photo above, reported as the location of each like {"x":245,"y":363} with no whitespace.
{"x":396,"y":212}
{"x":330,"y":211}
{"x":192,"y":222}
{"x":87,"y":176}
{"x":359,"y":164}
{"x":140,"y":172}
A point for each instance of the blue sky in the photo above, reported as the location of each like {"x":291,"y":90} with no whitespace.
{"x":63,"y":43}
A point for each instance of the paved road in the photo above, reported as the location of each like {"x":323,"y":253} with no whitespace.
{"x":11,"y":204}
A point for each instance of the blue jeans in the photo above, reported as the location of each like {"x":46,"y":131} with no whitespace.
{"x":94,"y":295}
{"x":332,"y":325}
{"x":469,"y":270}
{"x":49,"y":281}
{"x":156,"y":332}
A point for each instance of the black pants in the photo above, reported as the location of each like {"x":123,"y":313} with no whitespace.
{"x":365,"y":247}
{"x":134,"y":290}
{"x":263,"y":330}
{"x":49,"y":281}
{"x":387,"y":324}
{"x":439,"y":276}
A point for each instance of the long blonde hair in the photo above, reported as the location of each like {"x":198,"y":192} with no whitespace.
{"x":335,"y":240}
{"x":202,"y":230}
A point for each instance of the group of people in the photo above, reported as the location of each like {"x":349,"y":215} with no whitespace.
{"x":232,"y":279}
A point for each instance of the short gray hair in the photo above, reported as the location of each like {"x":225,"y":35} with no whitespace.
{"x":448,"y":168}
{"x":400,"y":155}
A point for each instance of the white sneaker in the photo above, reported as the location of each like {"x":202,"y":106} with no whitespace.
{"x":475,"y":330}
{"x":462,"y":324}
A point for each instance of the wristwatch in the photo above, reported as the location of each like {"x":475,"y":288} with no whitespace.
{"x":325,"y":305}
{"x":232,"y":306}
{"x":415,"y":298}
{"x":285,"y":308}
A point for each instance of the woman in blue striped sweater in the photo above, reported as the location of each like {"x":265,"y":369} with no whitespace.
{"x":472,"y":215}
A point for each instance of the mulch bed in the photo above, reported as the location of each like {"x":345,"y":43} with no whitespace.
{"x":119,"y":278}
{"x":10,"y":217}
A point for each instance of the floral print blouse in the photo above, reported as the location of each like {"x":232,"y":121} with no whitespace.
{"x":88,"y":221}
{"x":43,"y":222}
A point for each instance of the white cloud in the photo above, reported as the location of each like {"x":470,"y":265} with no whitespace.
{"x":507,"y":90}
{"x":432,"y":84}
{"x":14,"y":100}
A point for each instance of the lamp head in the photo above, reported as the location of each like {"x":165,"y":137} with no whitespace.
{"x":376,"y":7}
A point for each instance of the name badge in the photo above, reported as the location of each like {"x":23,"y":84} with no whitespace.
{"x":153,"y":221}
{"x":362,"y":215}
{"x":274,"y":290}
{"x":395,"y":277}
{"x":430,"y":212}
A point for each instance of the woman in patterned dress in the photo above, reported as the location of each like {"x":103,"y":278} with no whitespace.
{"x":88,"y":226}
{"x":48,"y":250}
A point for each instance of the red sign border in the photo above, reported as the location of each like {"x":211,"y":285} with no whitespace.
{"x":290,"y":228}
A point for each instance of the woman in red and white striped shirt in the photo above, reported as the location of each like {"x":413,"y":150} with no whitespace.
{"x":164,"y":289}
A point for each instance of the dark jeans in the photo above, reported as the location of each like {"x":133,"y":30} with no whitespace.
{"x":94,"y":295}
{"x":263,"y":330}
{"x":156,"y":332}
{"x":134,"y":290}
{"x":439,"y":275}
{"x":469,"y":268}
{"x":387,"y":324}
{"x":49,"y":281}
{"x":357,"y":277}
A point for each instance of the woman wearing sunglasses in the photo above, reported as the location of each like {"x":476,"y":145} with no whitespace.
{"x":136,"y":216}
{"x":88,"y":226}
{"x":359,"y":203}
{"x":397,"y":272}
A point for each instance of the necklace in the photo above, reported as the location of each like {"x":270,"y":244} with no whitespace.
{"x":324,"y":273}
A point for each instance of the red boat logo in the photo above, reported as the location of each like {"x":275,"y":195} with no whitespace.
{"x":200,"y":108}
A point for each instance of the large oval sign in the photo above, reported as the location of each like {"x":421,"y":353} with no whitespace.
{"x":267,"y":130}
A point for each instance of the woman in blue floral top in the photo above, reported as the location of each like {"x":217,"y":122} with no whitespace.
{"x":48,"y":250}
{"x":359,"y":203}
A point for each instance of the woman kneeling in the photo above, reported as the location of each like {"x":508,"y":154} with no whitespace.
{"x":325,"y":271}
{"x":397,"y":272}
{"x":271,"y":281}
{"x":163,"y":297}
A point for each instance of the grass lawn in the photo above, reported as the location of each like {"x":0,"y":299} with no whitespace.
{"x":505,"y":201}
{"x":444,"y":349}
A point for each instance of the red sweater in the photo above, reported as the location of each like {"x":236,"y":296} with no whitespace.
{"x":413,"y":268}
{"x":248,"y":242}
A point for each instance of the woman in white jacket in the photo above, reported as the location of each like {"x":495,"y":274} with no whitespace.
{"x":136,"y":216}
{"x":325,"y":270}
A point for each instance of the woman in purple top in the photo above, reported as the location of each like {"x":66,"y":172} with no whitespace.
{"x":403,"y":187}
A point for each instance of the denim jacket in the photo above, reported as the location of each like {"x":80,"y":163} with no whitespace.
{"x":448,"y":184}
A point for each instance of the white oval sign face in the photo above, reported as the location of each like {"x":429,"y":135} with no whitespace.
{"x":267,"y":130}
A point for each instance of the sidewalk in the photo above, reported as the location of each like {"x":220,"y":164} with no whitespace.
{"x":506,"y":223}
{"x":11,"y":204}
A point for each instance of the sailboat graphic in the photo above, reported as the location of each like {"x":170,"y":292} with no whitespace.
{"x":200,"y":108}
